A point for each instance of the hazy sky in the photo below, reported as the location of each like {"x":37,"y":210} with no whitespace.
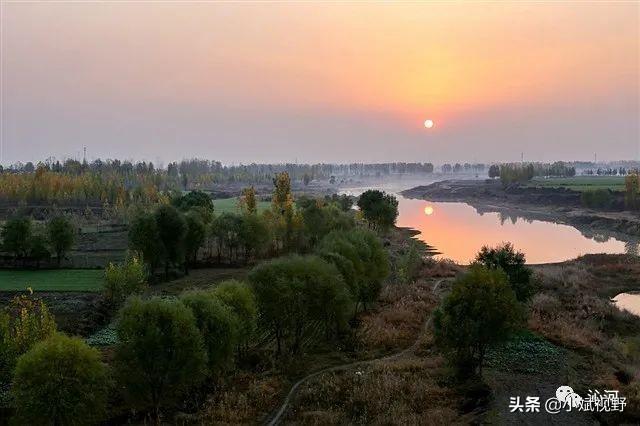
{"x":276,"y":82}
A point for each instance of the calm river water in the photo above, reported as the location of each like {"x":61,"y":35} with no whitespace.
{"x":458,"y":231}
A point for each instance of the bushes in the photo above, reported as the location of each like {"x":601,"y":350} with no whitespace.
{"x":161,"y":352}
{"x":480,"y":311}
{"x":60,"y":234}
{"x":60,"y":381}
{"x":23,"y":323}
{"x":219,"y":326}
{"x":239,"y":297}
{"x":597,"y":198}
{"x":295,"y":291}
{"x":121,"y":281}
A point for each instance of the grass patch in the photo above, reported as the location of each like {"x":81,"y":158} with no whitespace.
{"x":526,"y":353}
{"x":52,"y":280}
{"x":581,"y":183}
{"x":230,"y":205}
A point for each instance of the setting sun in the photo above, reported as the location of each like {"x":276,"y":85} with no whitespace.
{"x":428,"y":210}
{"x":428,"y":124}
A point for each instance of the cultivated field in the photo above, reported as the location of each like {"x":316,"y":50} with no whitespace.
{"x":52,"y":280}
{"x":581,"y":183}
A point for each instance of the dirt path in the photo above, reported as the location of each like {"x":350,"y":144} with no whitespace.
{"x":278,"y":415}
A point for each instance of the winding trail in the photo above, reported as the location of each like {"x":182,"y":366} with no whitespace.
{"x":276,"y":417}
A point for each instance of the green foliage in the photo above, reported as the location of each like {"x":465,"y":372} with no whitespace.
{"x":378,"y":208}
{"x":227,"y":228}
{"x":516,"y":172}
{"x":254,"y":235}
{"x":121,"y":281}
{"x":171,"y":232}
{"x":294,"y":292}
{"x":596,"y":198}
{"x":107,"y":336}
{"x":28,"y":321}
{"x":320,"y":218}
{"x":408,"y":263}
{"x":144,"y":239}
{"x":480,"y":312}
{"x":16,"y":235}
{"x":526,"y":353}
{"x":512,"y":262}
{"x":193,"y":199}
{"x":38,"y":248}
{"x":161,"y":353}
{"x":195,"y":235}
{"x":238,"y":296}
{"x":360,"y":258}
{"x":218,"y":325}
{"x":61,"y":236}
{"x":60,"y":381}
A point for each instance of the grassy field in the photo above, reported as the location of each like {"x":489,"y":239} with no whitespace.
{"x":581,"y":183}
{"x":52,"y":280}
{"x":230,"y":205}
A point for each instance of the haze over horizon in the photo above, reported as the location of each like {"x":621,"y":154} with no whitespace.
{"x":354,"y":82}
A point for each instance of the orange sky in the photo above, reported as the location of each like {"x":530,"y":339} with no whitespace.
{"x":269,"y":81}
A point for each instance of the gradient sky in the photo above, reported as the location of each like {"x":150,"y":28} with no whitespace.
{"x":279,"y":82}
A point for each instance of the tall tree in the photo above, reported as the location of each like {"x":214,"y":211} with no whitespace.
{"x":16,"y":236}
{"x":61,"y":235}
{"x":171,"y":232}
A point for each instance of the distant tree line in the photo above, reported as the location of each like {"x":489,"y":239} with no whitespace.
{"x":523,"y":172}
{"x":460,"y":168}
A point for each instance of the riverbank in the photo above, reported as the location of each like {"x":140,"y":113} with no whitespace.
{"x":557,"y":205}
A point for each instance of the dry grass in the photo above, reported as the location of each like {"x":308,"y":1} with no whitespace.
{"x":245,"y":400}
{"x":404,"y":391}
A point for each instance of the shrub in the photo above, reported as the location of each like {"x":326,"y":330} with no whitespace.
{"x":28,"y":321}
{"x":480,"y":311}
{"x":121,"y":281}
{"x":294,"y":292}
{"x":218,"y":325}
{"x":60,"y":381}
{"x":598,"y":198}
{"x":160,"y":354}
{"x":238,"y":296}
{"x":512,"y":262}
{"x":16,"y":235}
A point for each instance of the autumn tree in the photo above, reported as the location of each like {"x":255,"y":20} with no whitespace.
{"x":248,"y":203}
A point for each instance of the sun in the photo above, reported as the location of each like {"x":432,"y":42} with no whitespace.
{"x":428,"y":210}
{"x":429,"y":124}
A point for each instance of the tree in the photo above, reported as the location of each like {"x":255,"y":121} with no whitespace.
{"x":293,"y":292}
{"x":632,"y":191}
{"x":121,"y":281}
{"x":144,"y":239}
{"x":38,"y":250}
{"x":480,"y":312}
{"x":60,"y":381}
{"x":16,"y":236}
{"x":248,"y":203}
{"x":239,"y":297}
{"x":362,"y":261}
{"x":306,"y":179}
{"x":193,"y":199}
{"x":194,"y":237}
{"x":512,"y":262}
{"x":61,"y":236}
{"x":171,"y":232}
{"x":379,"y":208}
{"x":254,"y":235}
{"x":23,"y":323}
{"x":161,"y":353}
{"x":218,"y":325}
{"x":228,"y":229}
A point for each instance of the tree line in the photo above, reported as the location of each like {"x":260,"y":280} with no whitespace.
{"x":169,"y":347}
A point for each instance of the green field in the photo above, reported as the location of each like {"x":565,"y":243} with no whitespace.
{"x":581,"y":183}
{"x":52,"y":280}
{"x":230,"y":205}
